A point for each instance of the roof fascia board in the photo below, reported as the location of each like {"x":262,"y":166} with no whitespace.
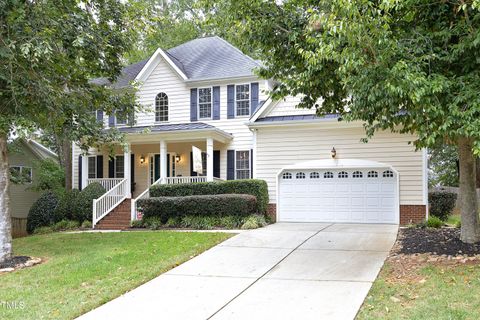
{"x":328,"y":123}
{"x":193,"y":82}
{"x":267,"y":106}
{"x":153,"y":62}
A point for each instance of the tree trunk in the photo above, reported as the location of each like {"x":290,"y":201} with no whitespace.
{"x":470,"y":231}
{"x":67,"y":165}
{"x":478,"y":172}
{"x":5,"y":219}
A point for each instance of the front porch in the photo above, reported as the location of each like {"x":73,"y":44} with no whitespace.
{"x":149,"y":159}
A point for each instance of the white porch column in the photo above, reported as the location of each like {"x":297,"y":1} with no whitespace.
{"x":209,"y":159}
{"x":163,"y":161}
{"x":84,"y":176}
{"x":126,"y":170}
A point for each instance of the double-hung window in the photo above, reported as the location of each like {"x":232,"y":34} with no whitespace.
{"x":242,"y":99}
{"x":205,"y":103}
{"x":92,"y":167}
{"x":119,"y":167}
{"x":20,"y":174}
{"x":242,"y":164}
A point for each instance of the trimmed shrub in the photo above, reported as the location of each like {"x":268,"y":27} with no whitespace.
{"x":65,"y":225}
{"x":254,"y":187}
{"x":253,"y":222}
{"x":67,"y":205}
{"x":86,"y":224}
{"x":199,"y":205}
{"x":42,"y":212}
{"x":84,"y":208}
{"x":137,"y":224}
{"x":441,"y":204}
{"x":434,"y":222}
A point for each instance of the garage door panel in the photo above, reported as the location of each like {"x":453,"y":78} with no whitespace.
{"x":350,"y":196}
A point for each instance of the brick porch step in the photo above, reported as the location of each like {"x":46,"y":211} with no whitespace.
{"x":117,"y":219}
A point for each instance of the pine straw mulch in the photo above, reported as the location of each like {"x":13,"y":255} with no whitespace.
{"x":417,"y":248}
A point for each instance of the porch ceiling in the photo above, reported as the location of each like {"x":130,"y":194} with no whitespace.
{"x":195,"y":131}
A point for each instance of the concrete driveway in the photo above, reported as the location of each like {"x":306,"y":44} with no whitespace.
{"x":283,"y":271}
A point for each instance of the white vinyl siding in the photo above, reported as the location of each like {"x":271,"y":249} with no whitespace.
{"x":280,"y":147}
{"x":287,"y":107}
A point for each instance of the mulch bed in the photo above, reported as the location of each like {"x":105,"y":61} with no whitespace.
{"x":417,"y":248}
{"x":444,"y":241}
{"x":18,"y":262}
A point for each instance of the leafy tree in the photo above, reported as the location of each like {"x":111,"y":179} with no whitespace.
{"x":443,"y":166}
{"x":49,"y":176}
{"x":407,"y":66}
{"x":49,"y":50}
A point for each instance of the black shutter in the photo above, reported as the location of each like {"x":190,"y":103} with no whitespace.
{"x":193,"y":104}
{"x":192,"y":173}
{"x":216,"y":103}
{"x":111,"y":167}
{"x":80,"y":172}
{"x":253,"y":97}
{"x":111,"y":120}
{"x":251,"y":163}
{"x":230,"y":164}
{"x":99,"y":166}
{"x":216,"y":163}
{"x":168,"y":165}
{"x":230,"y":101}
{"x":132,"y":173}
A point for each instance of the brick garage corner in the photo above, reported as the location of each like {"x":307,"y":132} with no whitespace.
{"x":412,"y":214}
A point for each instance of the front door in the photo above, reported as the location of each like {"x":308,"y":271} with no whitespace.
{"x":155,"y":166}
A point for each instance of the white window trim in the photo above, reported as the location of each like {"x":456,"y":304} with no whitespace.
{"x":249,"y":164}
{"x":155,"y":108}
{"x":21,"y":167}
{"x":249,"y":99}
{"x":88,"y":169}
{"x":211,"y":103}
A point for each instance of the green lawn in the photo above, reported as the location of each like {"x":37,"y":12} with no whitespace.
{"x":448,"y":293}
{"x":83,"y":271}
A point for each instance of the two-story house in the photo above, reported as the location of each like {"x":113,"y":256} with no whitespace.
{"x":204,"y":93}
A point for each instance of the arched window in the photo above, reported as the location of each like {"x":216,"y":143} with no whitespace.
{"x":161,"y":107}
{"x":328,"y":175}
{"x":287,"y":175}
{"x":314,"y":175}
{"x":372,"y":174}
{"x":357,"y":174}
{"x":388,"y":174}
{"x":343,"y":174}
{"x":300,"y":175}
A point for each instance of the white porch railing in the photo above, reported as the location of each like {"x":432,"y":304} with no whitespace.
{"x":109,"y":200}
{"x":107,"y":183}
{"x":177,"y":180}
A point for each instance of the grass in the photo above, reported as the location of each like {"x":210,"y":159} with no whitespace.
{"x":448,"y":293}
{"x":454,"y":220}
{"x":85,"y":270}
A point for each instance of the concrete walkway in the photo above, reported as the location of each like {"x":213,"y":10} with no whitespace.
{"x":283,"y":271}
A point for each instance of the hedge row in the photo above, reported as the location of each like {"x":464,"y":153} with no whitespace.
{"x":254,"y":187}
{"x":442,"y":204}
{"x":218,"y":205}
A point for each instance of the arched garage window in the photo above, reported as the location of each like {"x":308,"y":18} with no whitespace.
{"x":287,"y":175}
{"x":372,"y":174}
{"x":300,"y":175}
{"x":314,"y":175}
{"x":161,"y":107}
{"x":388,"y":174}
{"x":343,"y":174}
{"x":328,"y":175}
{"x":357,"y":174}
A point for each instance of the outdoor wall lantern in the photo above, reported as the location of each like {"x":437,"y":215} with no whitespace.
{"x":333,"y":153}
{"x":142,"y":159}
{"x":177,"y":158}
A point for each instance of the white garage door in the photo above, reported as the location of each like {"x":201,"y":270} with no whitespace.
{"x":338,"y":195}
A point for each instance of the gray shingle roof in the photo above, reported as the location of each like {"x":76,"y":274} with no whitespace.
{"x":199,"y":59}
{"x":171,"y":127}
{"x":298,"y":117}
